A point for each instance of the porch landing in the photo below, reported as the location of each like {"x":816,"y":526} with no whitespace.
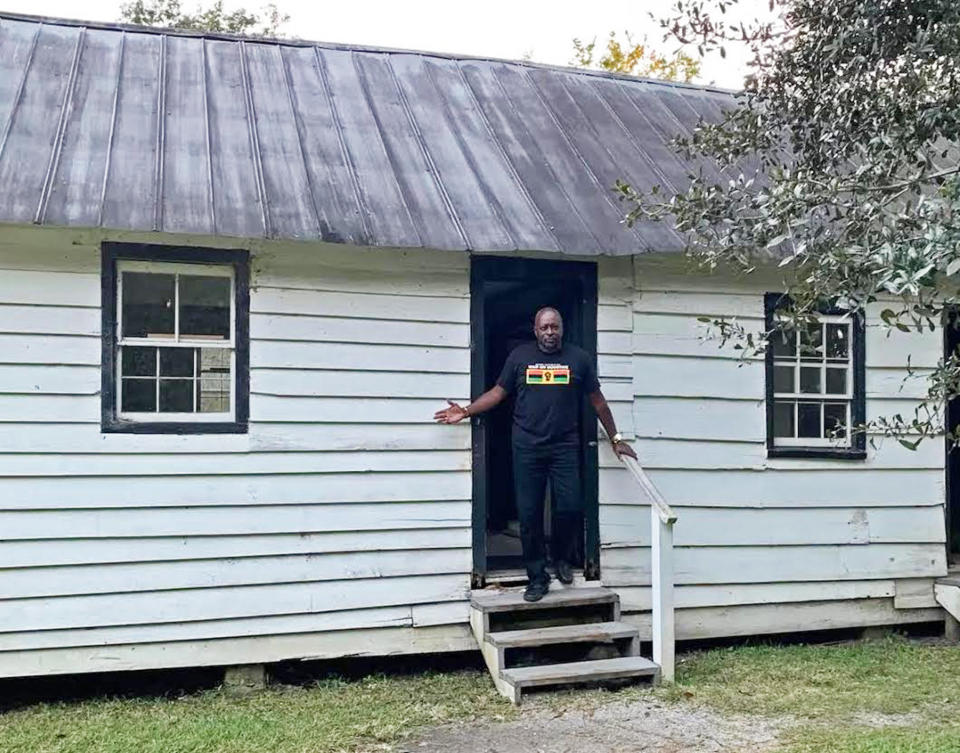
{"x":572,"y":636}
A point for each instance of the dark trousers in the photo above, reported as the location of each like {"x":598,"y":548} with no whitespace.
{"x":532,"y":467}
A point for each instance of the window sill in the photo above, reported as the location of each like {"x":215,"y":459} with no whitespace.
{"x":838,"y":453}
{"x":183,"y":427}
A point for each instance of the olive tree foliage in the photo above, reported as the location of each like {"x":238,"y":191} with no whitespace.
{"x":839,"y":161}
{"x":634,"y":58}
{"x":169,"y":14}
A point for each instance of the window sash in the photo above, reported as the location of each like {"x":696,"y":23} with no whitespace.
{"x":824,"y":364}
{"x":177,"y":341}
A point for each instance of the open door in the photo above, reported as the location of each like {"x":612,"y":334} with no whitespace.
{"x":505,"y":295}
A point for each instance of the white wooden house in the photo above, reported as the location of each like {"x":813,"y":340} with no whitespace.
{"x":238,"y":277}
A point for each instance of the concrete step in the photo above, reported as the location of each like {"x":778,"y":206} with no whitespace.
{"x":589,"y":633}
{"x":512,"y":600}
{"x":578,"y":672}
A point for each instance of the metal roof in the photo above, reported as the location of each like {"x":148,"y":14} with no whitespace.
{"x":141,"y":129}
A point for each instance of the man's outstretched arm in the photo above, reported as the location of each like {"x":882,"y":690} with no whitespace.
{"x":455,"y":413}
{"x":599,"y":403}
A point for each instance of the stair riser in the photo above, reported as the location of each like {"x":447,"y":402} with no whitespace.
{"x":560,"y":653}
{"x":539,"y":618}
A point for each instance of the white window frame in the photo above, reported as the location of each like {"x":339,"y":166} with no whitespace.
{"x":177,"y":341}
{"x":822,"y":397}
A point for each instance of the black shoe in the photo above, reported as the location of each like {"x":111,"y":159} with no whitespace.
{"x":536,"y":590}
{"x":564,"y":572}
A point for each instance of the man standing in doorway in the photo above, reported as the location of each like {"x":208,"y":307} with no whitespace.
{"x":548,"y":379}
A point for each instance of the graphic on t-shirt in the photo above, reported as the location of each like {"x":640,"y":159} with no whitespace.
{"x":548,"y":373}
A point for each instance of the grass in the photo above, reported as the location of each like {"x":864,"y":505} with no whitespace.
{"x":889,"y":696}
{"x":327,"y":717}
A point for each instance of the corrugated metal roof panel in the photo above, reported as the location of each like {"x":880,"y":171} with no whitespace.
{"x":130,"y":128}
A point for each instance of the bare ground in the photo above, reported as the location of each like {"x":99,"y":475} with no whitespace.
{"x":646,"y":725}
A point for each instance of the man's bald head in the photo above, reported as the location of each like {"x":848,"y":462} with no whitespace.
{"x":548,"y":329}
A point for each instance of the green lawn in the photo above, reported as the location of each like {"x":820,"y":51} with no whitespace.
{"x":835,"y":695}
{"x":329,"y":716}
{"x":832,"y":689}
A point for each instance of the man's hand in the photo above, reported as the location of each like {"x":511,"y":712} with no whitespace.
{"x":454,"y":414}
{"x":621,"y":448}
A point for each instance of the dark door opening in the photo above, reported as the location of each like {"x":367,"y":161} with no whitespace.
{"x":505,"y":295}
{"x":951,"y":343}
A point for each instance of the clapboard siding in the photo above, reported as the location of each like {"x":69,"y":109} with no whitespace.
{"x":343,"y":507}
{"x":754,"y":530}
{"x":341,"y":523}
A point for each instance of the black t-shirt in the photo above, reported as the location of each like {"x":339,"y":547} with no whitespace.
{"x":548,"y":388}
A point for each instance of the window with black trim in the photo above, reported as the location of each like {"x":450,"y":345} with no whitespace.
{"x":175,"y":339}
{"x":815,"y":384}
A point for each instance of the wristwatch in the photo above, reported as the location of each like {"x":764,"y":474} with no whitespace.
{"x":618,"y":437}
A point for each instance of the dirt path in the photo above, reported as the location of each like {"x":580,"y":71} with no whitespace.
{"x":645,"y":725}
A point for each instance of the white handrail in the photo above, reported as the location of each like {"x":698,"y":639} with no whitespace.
{"x":666,"y":513}
{"x":662,"y":520}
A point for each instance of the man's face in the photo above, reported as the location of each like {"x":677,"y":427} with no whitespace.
{"x":549,"y":331}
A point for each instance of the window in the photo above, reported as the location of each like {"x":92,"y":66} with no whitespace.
{"x":815,"y":377}
{"x":175,"y":324}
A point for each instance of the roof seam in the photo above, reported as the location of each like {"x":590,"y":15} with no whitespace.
{"x":383,"y":143}
{"x":20,"y":87}
{"x":65,"y":108}
{"x":640,"y":151}
{"x":113,"y":128}
{"x":341,"y":140}
{"x":549,"y":167}
{"x":298,"y":125}
{"x":254,"y":141}
{"x":507,"y":161}
{"x":458,"y":137}
{"x":431,"y":165}
{"x":604,"y":190}
{"x":161,"y":135}
{"x":206,"y":127}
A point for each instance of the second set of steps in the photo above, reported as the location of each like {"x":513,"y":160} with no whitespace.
{"x":572,"y":636}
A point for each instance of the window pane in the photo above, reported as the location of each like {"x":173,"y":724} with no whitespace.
{"x":784,"y":343}
{"x":205,"y":306}
{"x":808,"y":420}
{"x":811,"y":343}
{"x":783,"y":419}
{"x":137,"y":361}
{"x":783,"y":378}
{"x":138,"y":396}
{"x":838,"y":341}
{"x":835,"y":420}
{"x":176,"y":396}
{"x":810,"y":379}
{"x":214,"y":394}
{"x":836,"y":381}
{"x":147,"y":304}
{"x":176,"y":362}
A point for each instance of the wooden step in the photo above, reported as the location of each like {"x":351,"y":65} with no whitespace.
{"x":512,"y":601}
{"x":589,"y":633}
{"x":578,"y":672}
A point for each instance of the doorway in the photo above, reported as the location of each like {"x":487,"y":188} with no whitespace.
{"x":951,"y":343}
{"x":505,"y":294}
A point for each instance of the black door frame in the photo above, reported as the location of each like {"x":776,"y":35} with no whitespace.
{"x":951,"y":509}
{"x":500,"y":268}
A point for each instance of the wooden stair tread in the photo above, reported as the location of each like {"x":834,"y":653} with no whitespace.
{"x":512,"y":601}
{"x":581,"y":671}
{"x":595,"y":631}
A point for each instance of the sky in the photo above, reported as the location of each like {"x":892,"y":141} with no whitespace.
{"x":541,"y":30}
